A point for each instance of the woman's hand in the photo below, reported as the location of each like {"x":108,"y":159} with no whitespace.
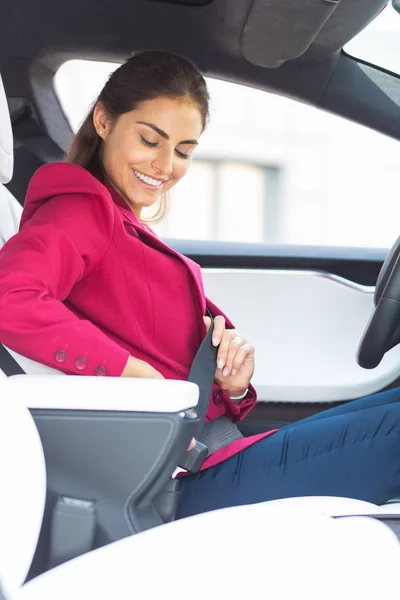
{"x":235,"y":358}
{"x":140,"y":368}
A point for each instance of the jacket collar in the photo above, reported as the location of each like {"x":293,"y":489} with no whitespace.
{"x":120,"y":202}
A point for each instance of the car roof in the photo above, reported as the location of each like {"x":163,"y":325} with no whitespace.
{"x":292,"y":47}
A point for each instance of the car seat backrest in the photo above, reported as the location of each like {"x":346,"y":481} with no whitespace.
{"x":10,"y":212}
{"x":6,"y":139}
{"x":23,"y":486}
{"x":10,"y":215}
{"x":10,"y":209}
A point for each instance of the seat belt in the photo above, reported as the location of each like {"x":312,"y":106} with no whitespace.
{"x":202,"y":373}
{"x":8,"y":364}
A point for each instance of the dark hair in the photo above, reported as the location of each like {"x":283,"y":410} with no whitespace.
{"x":146,"y":75}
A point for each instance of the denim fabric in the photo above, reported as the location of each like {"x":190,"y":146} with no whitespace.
{"x":352,"y":450}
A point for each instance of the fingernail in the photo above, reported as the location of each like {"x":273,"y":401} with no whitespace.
{"x":225,"y":372}
{"x":233,"y":371}
{"x":216,"y":341}
{"x":220,"y":363}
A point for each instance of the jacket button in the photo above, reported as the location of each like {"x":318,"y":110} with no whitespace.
{"x":217,"y":396}
{"x":80,"y":363}
{"x":60,"y":356}
{"x":100,"y":371}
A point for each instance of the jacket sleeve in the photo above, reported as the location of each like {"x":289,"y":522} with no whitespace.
{"x":64,"y":241}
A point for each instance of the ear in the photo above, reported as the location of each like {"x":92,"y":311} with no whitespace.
{"x":101,"y":122}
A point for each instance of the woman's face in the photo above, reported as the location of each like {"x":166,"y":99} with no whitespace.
{"x":148,"y":150}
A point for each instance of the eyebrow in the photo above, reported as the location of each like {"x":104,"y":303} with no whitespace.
{"x":163,"y":134}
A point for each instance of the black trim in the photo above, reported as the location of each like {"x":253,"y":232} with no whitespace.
{"x":8,"y":364}
{"x":185,"y":2}
{"x":359,"y":265}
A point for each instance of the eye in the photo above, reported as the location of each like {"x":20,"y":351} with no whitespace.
{"x":182,"y":155}
{"x":147,"y":143}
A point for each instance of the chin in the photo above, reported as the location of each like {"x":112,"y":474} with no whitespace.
{"x":147,"y":202}
{"x":143,"y":202}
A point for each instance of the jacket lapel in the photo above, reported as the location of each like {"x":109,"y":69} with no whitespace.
{"x":151,"y":239}
{"x":194,"y":269}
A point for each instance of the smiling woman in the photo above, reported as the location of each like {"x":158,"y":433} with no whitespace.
{"x":143,"y":128}
{"x":146,"y":151}
{"x":87,"y":288}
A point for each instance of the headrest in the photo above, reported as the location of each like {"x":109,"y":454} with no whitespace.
{"x":6,"y":139}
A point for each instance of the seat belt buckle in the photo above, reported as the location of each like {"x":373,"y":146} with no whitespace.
{"x":194,"y":458}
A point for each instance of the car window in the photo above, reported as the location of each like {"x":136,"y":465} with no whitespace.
{"x":270,"y":169}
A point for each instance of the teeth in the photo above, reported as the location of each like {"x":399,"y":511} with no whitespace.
{"x":150,"y":180}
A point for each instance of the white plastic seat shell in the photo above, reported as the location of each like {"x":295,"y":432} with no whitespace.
{"x":102,"y":393}
{"x":10,"y":215}
{"x":253,"y":551}
{"x":6,"y":139}
{"x":336,"y":506}
{"x":23,"y":480}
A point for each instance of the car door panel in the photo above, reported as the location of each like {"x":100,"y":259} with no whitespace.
{"x":306,"y":326}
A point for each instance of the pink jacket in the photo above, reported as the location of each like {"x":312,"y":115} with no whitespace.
{"x":84,"y":284}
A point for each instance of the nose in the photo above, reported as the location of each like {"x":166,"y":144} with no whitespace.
{"x":163,"y":162}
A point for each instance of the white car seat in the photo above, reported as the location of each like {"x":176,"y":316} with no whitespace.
{"x":260,"y":550}
{"x":10,"y":213}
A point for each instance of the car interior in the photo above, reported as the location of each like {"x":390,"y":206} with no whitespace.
{"x":317,"y":316}
{"x":317,"y":531}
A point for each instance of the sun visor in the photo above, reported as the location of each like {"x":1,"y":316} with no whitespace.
{"x":280,"y":30}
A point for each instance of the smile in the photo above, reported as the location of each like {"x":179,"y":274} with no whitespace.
{"x":147,"y":179}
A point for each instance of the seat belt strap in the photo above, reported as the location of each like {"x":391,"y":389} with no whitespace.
{"x":8,"y":364}
{"x":202,"y":373}
{"x":219,"y":433}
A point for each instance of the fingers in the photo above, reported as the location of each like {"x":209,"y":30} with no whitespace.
{"x":223,"y":350}
{"x":191,"y":445}
{"x":232,"y":350}
{"x":243,"y":351}
{"x":219,"y":328}
{"x":235,"y":356}
{"x":207,"y":322}
{"x":228,"y":349}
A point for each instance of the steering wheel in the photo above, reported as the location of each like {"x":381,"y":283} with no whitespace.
{"x":383,"y":329}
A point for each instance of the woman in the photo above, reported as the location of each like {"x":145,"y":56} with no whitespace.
{"x":88,"y":288}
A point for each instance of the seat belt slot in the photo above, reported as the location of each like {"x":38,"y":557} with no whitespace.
{"x":194,"y":458}
{"x":73,"y":528}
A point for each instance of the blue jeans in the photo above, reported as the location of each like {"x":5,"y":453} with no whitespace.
{"x":352,"y":450}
